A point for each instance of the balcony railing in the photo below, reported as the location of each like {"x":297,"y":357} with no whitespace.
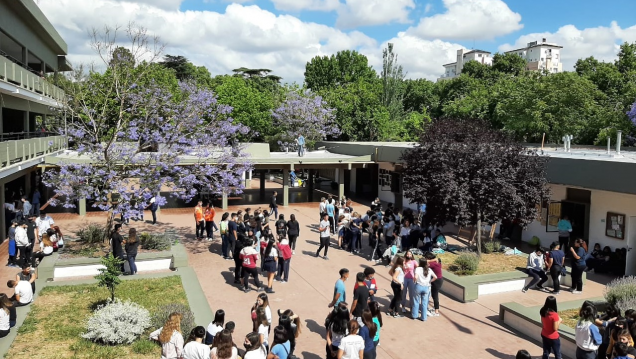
{"x":13,"y":73}
{"x":12,"y":152}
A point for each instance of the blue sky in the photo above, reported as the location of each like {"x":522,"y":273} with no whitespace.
{"x":284,"y":34}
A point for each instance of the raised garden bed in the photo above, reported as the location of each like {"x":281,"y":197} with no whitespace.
{"x":490,"y":263}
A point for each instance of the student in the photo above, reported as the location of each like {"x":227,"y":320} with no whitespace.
{"x":397,"y":284}
{"x":424,"y":276}
{"x":195,"y":348}
{"x":46,"y":250}
{"x":565,"y":229}
{"x":618,"y":336}
{"x":23,"y":294}
{"x":281,"y":346}
{"x":224,"y":346}
{"x":262,"y":301}
{"x":281,"y":226}
{"x":116,"y":241}
{"x":578,"y":267}
{"x":170,"y":337}
{"x":210,"y":226}
{"x":5,"y":319}
{"x":324,"y":236}
{"x":377,"y":319}
{"x":336,"y":326}
{"x":339,"y":291}
{"x":263,"y":327}
{"x":22,"y":242}
{"x":368,"y":332}
{"x":555,"y":264}
{"x":253,"y":347}
{"x":270,"y":260}
{"x":284,"y":260}
{"x":549,"y":333}
{"x":232,"y":233}
{"x":215,"y":326}
{"x":370,"y":282}
{"x":249,"y":257}
{"x":199,"y":220}
{"x":27,"y":274}
{"x":351,"y":346}
{"x":535,"y":270}
{"x":225,"y":238}
{"x":622,"y":351}
{"x":13,"y":248}
{"x":360,"y":298}
{"x":292,"y":324}
{"x":132,"y":244}
{"x":436,"y":266}
{"x":273,"y":206}
{"x":523,"y":354}
{"x":293,"y":231}
{"x":7,"y":303}
{"x":331,"y":213}
{"x":409,"y":274}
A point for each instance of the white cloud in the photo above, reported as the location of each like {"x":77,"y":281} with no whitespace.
{"x":355,"y":13}
{"x":162,"y":4}
{"x":469,"y":20}
{"x":242,"y":36}
{"x":428,"y":8}
{"x":314,"y":5}
{"x":601,"y":42}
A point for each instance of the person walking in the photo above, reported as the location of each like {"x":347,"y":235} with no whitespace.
{"x":578,"y":266}
{"x":323,"y":228}
{"x":555,"y":264}
{"x":300,"y":141}
{"x":293,"y":231}
{"x":210,"y":226}
{"x":132,"y":243}
{"x":550,"y":321}
{"x":565,"y":229}
{"x":424,"y":276}
{"x":360,"y":297}
{"x":273,"y":206}
{"x":270,"y":260}
{"x":340,"y":291}
{"x":199,"y":220}
{"x":535,"y":270}
{"x":397,"y":284}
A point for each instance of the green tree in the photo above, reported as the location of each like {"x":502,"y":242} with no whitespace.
{"x":345,"y":67}
{"x":182,"y":68}
{"x":476,"y":69}
{"x":419,"y":95}
{"x":509,"y":63}
{"x":626,"y":62}
{"x":109,"y":275}
{"x":392,"y":85}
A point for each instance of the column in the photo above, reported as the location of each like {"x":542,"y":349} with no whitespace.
{"x":224,"y":200}
{"x":81,"y":207}
{"x":285,"y":187}
{"x":27,"y":185}
{"x":243,"y":179}
{"x":25,"y":123}
{"x":3,"y":224}
{"x":248,"y":181}
{"x":310,"y":186}
{"x":341,"y":182}
{"x":262,"y":186}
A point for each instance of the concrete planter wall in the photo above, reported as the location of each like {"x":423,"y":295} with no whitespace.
{"x":469,"y":288}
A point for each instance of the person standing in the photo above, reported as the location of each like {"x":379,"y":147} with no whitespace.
{"x":331,"y":212}
{"x":587,"y":335}
{"x":578,"y":266}
{"x":409,"y":278}
{"x":43,"y":223}
{"x":436,"y":266}
{"x":360,"y":298}
{"x":550,"y":321}
{"x":232,"y":229}
{"x":208,"y":215}
{"x":322,"y":207}
{"x":13,"y":249}
{"x":565,"y":229}
{"x":22,"y":242}
{"x":535,"y":270}
{"x":249,"y":257}
{"x":132,"y":244}
{"x":35,"y":201}
{"x":397,"y":284}
{"x":424,"y":276}
{"x":31,"y":230}
{"x":339,"y":291}
{"x":555,"y":263}
{"x":293,"y":231}
{"x":301,"y":145}
{"x":199,"y":220}
{"x":116,"y":242}
{"x":273,"y":206}
{"x":153,"y":209}
{"x":26,"y":207}
{"x":324,"y":236}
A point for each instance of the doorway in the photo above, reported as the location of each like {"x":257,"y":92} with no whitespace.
{"x":579,"y":215}
{"x":630,"y":266}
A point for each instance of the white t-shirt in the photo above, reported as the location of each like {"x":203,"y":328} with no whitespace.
{"x":4,"y":320}
{"x":194,"y":350}
{"x":323,"y":207}
{"x":43,"y":224}
{"x":264,"y":331}
{"x":268,"y":314}
{"x":424,"y":279}
{"x":256,"y":354}
{"x":213,"y":329}
{"x":324,"y":224}
{"x":400,"y":276}
{"x":47,"y":250}
{"x":23,"y":289}
{"x":351,"y":346}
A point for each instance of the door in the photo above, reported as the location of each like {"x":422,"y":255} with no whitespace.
{"x":630,"y":267}
{"x":579,"y":215}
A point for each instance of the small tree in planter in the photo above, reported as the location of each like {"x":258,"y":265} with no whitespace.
{"x":109,"y":276}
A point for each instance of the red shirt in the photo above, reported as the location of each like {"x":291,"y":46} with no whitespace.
{"x":436,"y":267}
{"x":249,"y":256}
{"x":548,"y":325}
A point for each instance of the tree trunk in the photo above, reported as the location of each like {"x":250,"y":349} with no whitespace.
{"x":109,"y":220}
{"x":479,"y":235}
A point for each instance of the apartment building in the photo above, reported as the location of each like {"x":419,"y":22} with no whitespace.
{"x":30,"y":49}
{"x":455,"y":68}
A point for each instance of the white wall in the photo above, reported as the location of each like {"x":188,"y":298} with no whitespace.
{"x":384,"y":192}
{"x":601,"y":203}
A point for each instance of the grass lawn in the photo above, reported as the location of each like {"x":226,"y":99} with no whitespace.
{"x":58,"y":316}
{"x":570,"y":317}
{"x":490,"y":263}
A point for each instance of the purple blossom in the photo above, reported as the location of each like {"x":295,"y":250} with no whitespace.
{"x":631,"y":114}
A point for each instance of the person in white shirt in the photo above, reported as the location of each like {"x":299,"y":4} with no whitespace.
{"x":535,"y":266}
{"x":323,"y":207}
{"x":170,"y":337}
{"x":424,"y":276}
{"x":324,"y":235}
{"x":351,"y":346}
{"x":23,"y":291}
{"x":254,"y":347}
{"x":215,"y":326}
{"x":195,"y":349}
{"x":22,"y":242}
{"x":42,"y":223}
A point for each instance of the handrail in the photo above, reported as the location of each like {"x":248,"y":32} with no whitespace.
{"x":12,"y":72}
{"x":12,"y":136}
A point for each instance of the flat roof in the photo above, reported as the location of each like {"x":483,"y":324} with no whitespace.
{"x":537,"y":45}
{"x":476,"y":50}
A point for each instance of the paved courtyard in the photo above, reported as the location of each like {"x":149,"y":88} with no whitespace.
{"x":462,"y":330}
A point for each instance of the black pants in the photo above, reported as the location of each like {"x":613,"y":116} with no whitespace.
{"x":356,"y":241}
{"x":397,"y":297}
{"x":283,"y":269}
{"x":577,"y":277}
{"x":538,"y":277}
{"x":555,"y":272}
{"x":200,"y":228}
{"x":238,"y":268}
{"x":564,"y":242}
{"x":22,"y":255}
{"x":436,"y":286}
{"x":246,"y":276}
{"x":154,"y":216}
{"x":292,"y":241}
{"x":332,"y":224}
{"x":4,"y":333}
{"x":36,"y":256}
{"x":324,"y":243}
{"x":209,"y":226}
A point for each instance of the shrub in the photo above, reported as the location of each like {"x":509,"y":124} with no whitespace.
{"x":621,"y":290}
{"x":109,"y":276}
{"x":91,"y":233}
{"x":162,"y":313}
{"x":466,"y":263}
{"x":490,"y":247}
{"x":161,"y":242}
{"x":117,"y":323}
{"x":143,"y":346}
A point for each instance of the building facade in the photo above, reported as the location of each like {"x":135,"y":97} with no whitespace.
{"x":454,"y":69}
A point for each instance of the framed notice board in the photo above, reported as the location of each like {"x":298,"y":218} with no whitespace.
{"x":615,"y":225}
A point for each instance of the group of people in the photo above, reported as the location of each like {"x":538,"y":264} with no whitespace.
{"x":24,"y":290}
{"x":216,"y":340}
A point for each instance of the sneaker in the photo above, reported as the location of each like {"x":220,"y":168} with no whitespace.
{"x":283,"y":281}
{"x":317,"y":255}
{"x":524,"y":290}
{"x":576,"y":292}
{"x":554,"y":293}
{"x":433,"y":314}
{"x":540,"y":287}
{"x":260,"y":289}
{"x":246,"y":290}
{"x":325,"y":258}
{"x":293,"y":252}
{"x":276,"y":279}
{"x":398,"y":315}
{"x":237,"y":281}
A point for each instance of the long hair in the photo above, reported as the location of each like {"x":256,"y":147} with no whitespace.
{"x":47,"y":240}
{"x":280,"y":335}
{"x":549,"y":306}
{"x":224,"y":216}
{"x":219,"y":317}
{"x":339,"y":320}
{"x":253,"y":342}
{"x":375,"y":311}
{"x":367,"y":319}
{"x":172,"y":324}
{"x":399,"y":261}
{"x":292,"y":218}
{"x":224,"y":344}
{"x":353,"y":327}
{"x":265,"y":300}
{"x":261,"y":317}
{"x":296,"y":321}
{"x":5,"y":303}
{"x":132,"y":236}
{"x":268,"y":249}
{"x":587,"y":314}
{"x":424,"y":265}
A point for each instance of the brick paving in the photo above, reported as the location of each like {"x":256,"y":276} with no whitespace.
{"x":463,"y":330}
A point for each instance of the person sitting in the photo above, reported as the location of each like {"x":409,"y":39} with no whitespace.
{"x":23,"y":293}
{"x":594,"y":258}
{"x":46,"y":249}
{"x":6,"y":302}
{"x":603,"y":264}
{"x":440,"y":240}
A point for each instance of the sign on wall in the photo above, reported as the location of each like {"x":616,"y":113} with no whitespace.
{"x":615,"y":225}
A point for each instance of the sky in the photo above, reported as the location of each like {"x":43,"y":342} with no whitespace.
{"x":283,"y":35}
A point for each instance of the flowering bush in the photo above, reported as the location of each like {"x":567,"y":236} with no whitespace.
{"x":117,"y":323}
{"x":621,"y":290}
{"x":160,"y":316}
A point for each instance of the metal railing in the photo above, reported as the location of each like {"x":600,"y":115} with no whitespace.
{"x":14,"y":73}
{"x":13,"y":136}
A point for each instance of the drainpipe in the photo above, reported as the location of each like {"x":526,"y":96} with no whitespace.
{"x":609,"y":140}
{"x":618,"y":142}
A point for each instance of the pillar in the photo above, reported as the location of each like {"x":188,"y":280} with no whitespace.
{"x":224,"y":200}
{"x":243,"y":178}
{"x":248,"y":181}
{"x":262,"y":186}
{"x":285,"y":187}
{"x":25,"y":123}
{"x":3,"y":224}
{"x":81,"y":207}
{"x":27,"y":185}
{"x":310,"y":186}
{"x":341,"y":182}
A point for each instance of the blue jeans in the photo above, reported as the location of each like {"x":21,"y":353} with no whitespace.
{"x":582,"y":354}
{"x":225,"y":244}
{"x":301,"y":150}
{"x":551,"y":345}
{"x":420,"y":301}
{"x":131,"y":263}
{"x":409,"y":286}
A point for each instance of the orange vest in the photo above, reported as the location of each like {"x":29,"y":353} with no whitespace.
{"x":198,"y":213}
{"x":209,"y":215}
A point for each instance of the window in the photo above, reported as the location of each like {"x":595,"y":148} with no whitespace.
{"x":556,"y":56}
{"x":479,"y":55}
{"x":542,"y":59}
{"x":554,"y":215}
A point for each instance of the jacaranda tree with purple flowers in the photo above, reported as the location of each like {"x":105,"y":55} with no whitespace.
{"x":133,"y":138}
{"x":304,"y":113}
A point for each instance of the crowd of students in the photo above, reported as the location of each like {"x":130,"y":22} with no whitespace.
{"x":265,"y":341}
